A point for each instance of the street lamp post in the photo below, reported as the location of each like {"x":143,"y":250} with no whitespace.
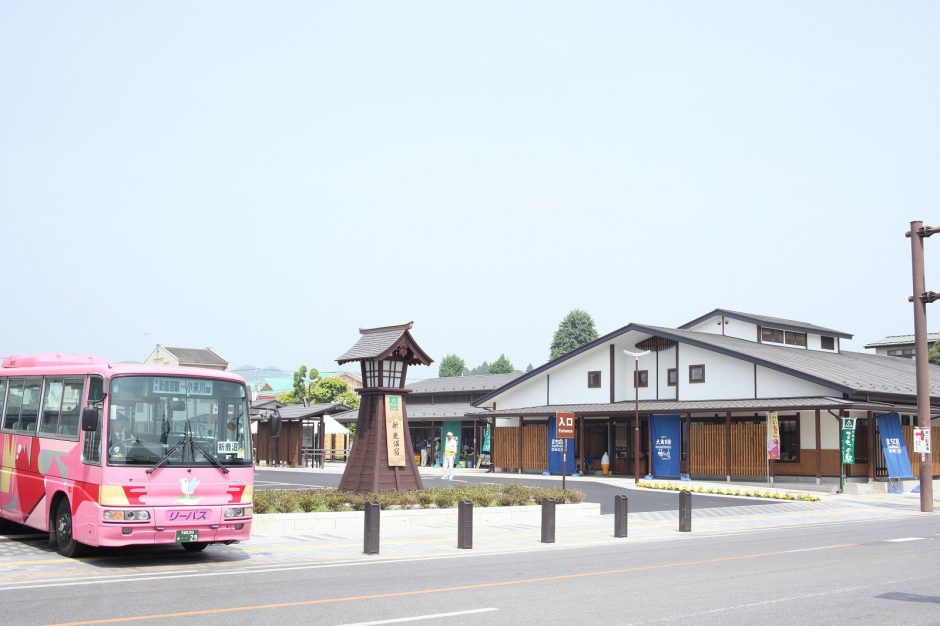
{"x":636,"y":418}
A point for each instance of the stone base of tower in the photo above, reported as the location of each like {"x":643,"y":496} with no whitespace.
{"x":367,"y":468}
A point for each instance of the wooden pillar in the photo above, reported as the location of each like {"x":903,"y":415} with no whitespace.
{"x":871,"y":446}
{"x":321,"y":441}
{"x":728,"y":446}
{"x":433,"y":450}
{"x":581,"y":442}
{"x":818,"y":450}
{"x":521,"y":442}
{"x":492,"y":443}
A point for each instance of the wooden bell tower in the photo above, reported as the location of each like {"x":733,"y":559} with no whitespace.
{"x":382,"y":457}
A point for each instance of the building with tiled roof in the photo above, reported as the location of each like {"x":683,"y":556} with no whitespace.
{"x":899,"y":345}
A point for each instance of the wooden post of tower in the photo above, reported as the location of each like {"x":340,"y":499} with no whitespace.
{"x":382,"y":456}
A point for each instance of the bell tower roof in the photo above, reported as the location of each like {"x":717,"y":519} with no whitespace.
{"x":376,"y":344}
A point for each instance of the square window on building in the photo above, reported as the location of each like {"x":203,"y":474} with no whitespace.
{"x":827,"y":343}
{"x":672,"y":377}
{"x":697,"y":373}
{"x":795,"y":339}
{"x":641,"y":378}
{"x":594,"y":379}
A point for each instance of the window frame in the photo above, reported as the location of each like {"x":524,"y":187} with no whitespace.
{"x":672,"y":377}
{"x":822,"y":342}
{"x":593,"y":375}
{"x":789,"y":439}
{"x":692,"y":379}
{"x":641,"y":379}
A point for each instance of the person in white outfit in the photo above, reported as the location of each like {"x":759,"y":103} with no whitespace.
{"x":450,"y":455}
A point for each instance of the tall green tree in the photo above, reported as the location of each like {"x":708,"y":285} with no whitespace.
{"x":334,"y":389}
{"x":574,"y":331}
{"x":300,"y":382}
{"x":933,"y":355}
{"x":451,"y":365}
{"x":501,"y":366}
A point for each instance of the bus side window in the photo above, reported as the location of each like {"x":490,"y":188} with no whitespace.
{"x":71,"y":407}
{"x":11,"y":415}
{"x":3,"y":396}
{"x":51,"y":406}
{"x":29,"y":413}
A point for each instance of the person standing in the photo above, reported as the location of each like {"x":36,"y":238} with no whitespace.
{"x":450,"y":455}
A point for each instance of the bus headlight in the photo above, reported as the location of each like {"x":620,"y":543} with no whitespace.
{"x":125,"y":515}
{"x":240,"y":511}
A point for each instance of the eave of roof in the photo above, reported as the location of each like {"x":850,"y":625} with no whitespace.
{"x":379,"y":343}
{"x":692,"y":406}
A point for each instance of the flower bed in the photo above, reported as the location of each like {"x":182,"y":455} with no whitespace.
{"x":313,"y":500}
{"x":730,"y":491}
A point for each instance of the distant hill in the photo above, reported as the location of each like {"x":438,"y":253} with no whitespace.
{"x":251,"y":372}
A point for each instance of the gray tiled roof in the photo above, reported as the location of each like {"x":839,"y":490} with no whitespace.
{"x":766,"y":320}
{"x":292,"y":412}
{"x":844,"y":372}
{"x":900,"y":340}
{"x":196,"y":355}
{"x":376,"y":343}
{"x":692,"y":406}
{"x":443,"y":411}
{"x":480,"y":382}
{"x":851,"y":372}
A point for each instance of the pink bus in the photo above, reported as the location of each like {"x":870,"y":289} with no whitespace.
{"x":115,"y":455}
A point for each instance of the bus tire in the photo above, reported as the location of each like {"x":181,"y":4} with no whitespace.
{"x":195,"y":546}
{"x":66,"y":544}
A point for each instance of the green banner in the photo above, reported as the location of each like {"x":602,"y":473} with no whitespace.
{"x":848,"y":441}
{"x":486,"y":440}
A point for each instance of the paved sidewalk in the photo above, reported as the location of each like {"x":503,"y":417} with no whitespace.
{"x":588,"y":529}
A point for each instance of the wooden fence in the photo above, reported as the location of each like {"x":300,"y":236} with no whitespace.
{"x":534,"y":447}
{"x":707,"y":456}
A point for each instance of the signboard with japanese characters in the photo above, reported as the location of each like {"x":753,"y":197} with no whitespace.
{"x":848,"y":440}
{"x":921,"y":440}
{"x":773,"y":436}
{"x":565,"y":425}
{"x":395,"y":431}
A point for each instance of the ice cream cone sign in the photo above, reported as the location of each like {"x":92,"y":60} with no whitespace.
{"x":605,"y":464}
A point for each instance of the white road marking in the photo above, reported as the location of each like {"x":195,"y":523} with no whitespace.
{"x":420,"y":617}
{"x":904,"y":539}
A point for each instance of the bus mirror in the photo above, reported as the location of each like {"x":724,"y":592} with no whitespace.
{"x":89,"y":419}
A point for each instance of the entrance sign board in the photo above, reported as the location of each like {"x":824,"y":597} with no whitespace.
{"x":848,"y":440}
{"x":564,"y":428}
{"x":395,"y":431}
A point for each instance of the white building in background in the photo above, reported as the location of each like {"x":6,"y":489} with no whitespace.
{"x":186,"y":357}
{"x":722,"y":373}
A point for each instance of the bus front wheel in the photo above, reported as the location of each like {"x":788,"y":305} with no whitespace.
{"x":65,"y":542}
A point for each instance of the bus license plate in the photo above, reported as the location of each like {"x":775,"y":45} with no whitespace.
{"x":186,"y":536}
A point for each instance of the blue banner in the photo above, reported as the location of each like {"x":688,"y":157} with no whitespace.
{"x":892,"y":443}
{"x":666,"y":431}
{"x":556,"y":448}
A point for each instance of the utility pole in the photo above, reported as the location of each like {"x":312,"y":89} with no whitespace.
{"x":636,"y":407}
{"x":920,"y":299}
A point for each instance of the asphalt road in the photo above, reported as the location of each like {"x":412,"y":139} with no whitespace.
{"x":875,"y":572}
{"x":639,"y":501}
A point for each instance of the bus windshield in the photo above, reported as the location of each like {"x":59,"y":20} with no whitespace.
{"x":177,"y":421}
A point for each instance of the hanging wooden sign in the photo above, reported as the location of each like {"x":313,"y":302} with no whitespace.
{"x":395,"y":431}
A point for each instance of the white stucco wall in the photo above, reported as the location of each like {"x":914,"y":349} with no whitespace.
{"x":774,"y":384}
{"x":741,"y":330}
{"x":569,"y":382}
{"x":528,"y":393}
{"x":725,"y":377}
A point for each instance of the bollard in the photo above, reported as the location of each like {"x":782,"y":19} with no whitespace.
{"x":620,"y":516}
{"x":685,"y":511}
{"x":370,"y":544}
{"x":465,"y":525}
{"x":548,"y":520}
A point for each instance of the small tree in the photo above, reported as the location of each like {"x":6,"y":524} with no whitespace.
{"x":501,"y":366}
{"x":334,"y":389}
{"x":451,"y":365}
{"x":482,"y":368}
{"x":933,"y":355}
{"x":300,"y":382}
{"x":574,"y":331}
{"x":529,"y":368}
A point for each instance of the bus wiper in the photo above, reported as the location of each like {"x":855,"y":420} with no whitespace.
{"x":169,"y":453}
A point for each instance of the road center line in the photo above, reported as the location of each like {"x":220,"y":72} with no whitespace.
{"x":422,"y":617}
{"x":435,"y":590}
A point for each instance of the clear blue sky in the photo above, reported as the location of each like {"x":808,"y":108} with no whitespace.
{"x":265,"y":178}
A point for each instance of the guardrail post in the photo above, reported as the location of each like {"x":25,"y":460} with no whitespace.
{"x":370,"y":544}
{"x":465,"y":525}
{"x":548,"y":520}
{"x":620,"y":516}
{"x":685,"y":511}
